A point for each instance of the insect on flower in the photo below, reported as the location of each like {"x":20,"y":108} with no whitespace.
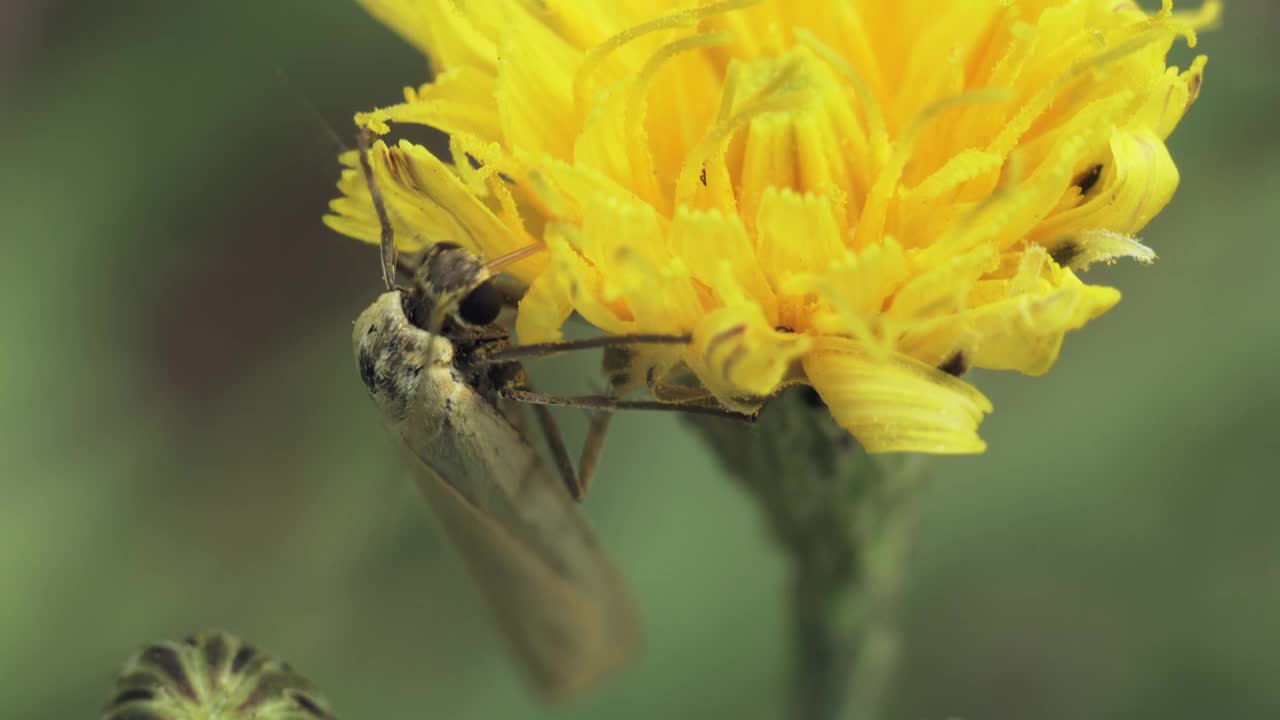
{"x":863,"y":197}
{"x":455,"y":300}
{"x":438,"y":370}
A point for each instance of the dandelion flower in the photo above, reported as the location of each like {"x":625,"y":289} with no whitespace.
{"x":861,"y":196}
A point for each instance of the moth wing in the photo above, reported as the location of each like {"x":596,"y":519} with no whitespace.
{"x":559,"y":634}
{"x":559,"y":602}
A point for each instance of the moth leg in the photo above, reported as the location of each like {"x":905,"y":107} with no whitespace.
{"x":605,"y":402}
{"x":388,"y":241}
{"x":559,"y":453}
{"x":514,"y":411}
{"x":591,"y":448}
{"x":608,"y":341}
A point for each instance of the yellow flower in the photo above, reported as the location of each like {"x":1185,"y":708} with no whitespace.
{"x":867,"y":197}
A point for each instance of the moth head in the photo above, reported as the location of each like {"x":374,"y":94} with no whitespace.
{"x":454,"y":284}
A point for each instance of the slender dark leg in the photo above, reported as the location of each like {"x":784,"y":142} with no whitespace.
{"x":548,"y":348}
{"x":605,"y":402}
{"x":592,"y":447}
{"x":559,"y":453}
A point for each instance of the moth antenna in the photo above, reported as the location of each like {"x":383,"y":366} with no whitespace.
{"x":317,"y":118}
{"x":388,"y":241}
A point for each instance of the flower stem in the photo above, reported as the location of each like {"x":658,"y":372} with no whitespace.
{"x":844,"y":520}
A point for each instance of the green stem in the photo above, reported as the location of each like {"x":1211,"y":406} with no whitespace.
{"x":844,"y":520}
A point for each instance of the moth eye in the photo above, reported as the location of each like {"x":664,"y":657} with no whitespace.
{"x":481,"y":306}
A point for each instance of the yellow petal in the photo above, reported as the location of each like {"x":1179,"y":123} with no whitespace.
{"x":1023,"y":331}
{"x":458,"y":101}
{"x":438,"y":28}
{"x":427,"y":204}
{"x":542,"y":311}
{"x":737,"y":354}
{"x":902,"y":185}
{"x":897,"y":406}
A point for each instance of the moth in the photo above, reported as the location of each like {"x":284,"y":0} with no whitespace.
{"x":441,"y":375}
{"x":556,"y":597}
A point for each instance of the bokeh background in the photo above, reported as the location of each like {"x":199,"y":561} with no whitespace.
{"x":184,"y":442}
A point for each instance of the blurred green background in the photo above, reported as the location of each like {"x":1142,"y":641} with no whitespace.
{"x":185,"y":442}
